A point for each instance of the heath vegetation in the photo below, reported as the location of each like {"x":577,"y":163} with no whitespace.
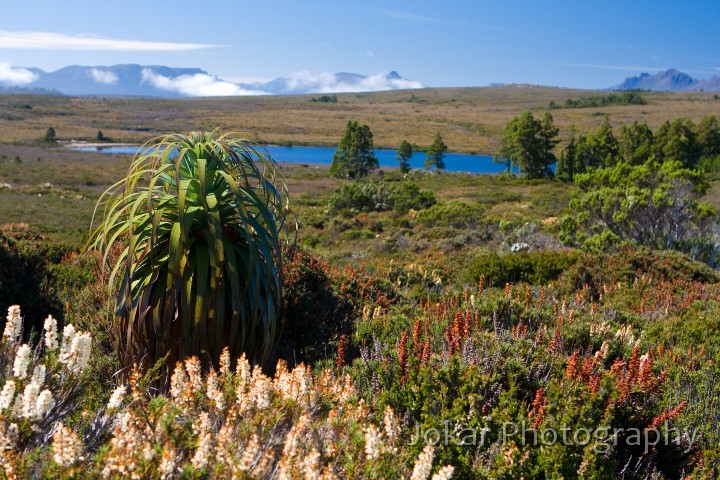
{"x":560,"y":322}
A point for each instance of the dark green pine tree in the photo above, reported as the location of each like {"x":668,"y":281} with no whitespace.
{"x":404,"y":154}
{"x":708,"y":137}
{"x":355,"y":157}
{"x":528,"y":143}
{"x":548,"y":139}
{"x":435,"y":154}
{"x":635,"y":143}
{"x":678,"y":141}
{"x":567,"y":167}
{"x":50,"y":135}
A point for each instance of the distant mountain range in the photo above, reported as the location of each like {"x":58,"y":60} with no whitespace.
{"x":161,"y":81}
{"x":169,"y":82}
{"x":669,"y":81}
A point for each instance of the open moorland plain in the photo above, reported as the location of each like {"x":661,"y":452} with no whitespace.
{"x":471,"y":120}
{"x":432,"y":324}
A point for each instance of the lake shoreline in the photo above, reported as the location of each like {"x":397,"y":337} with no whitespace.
{"x":78,"y":144}
{"x":323,"y":157}
{"x":75,"y":144}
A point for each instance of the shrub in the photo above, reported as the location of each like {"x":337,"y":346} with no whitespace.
{"x":454,"y":213}
{"x":655,"y":205}
{"x":313,"y":315}
{"x":538,"y":267}
{"x":363,"y":234}
{"x":235,"y":422}
{"x":408,"y":195}
{"x":201,"y":269}
{"x":43,"y":386}
{"x":592,"y":271}
{"x":361,"y":197}
{"x":352,"y":198}
{"x":29,"y":275}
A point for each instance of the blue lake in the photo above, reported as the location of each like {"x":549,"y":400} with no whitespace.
{"x":454,"y":162}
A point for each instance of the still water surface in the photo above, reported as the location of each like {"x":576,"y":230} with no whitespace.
{"x":454,"y":162}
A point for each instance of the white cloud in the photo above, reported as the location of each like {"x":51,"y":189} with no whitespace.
{"x":15,"y":75}
{"x":368,"y":53}
{"x":246,"y":79}
{"x":198,"y":85}
{"x":330,"y":83}
{"x":104,"y":76}
{"x":60,"y":41}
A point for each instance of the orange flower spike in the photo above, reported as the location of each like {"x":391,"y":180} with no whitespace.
{"x":417,"y":333}
{"x":537,"y":410}
{"x":403,"y":356}
{"x":667,"y":416}
{"x":342,"y":345}
{"x":527,"y":297}
{"x":426,"y":351}
{"x":571,"y":371}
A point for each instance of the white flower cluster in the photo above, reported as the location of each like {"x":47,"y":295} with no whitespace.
{"x":445,"y":473}
{"x":25,"y":397}
{"x":625,"y":334}
{"x":117,"y":397}
{"x":203,"y":453}
{"x":13,"y":325}
{"x":373,"y":443}
{"x":75,"y":349}
{"x":7,"y":395}
{"x":51,"y":334}
{"x":392,"y":429}
{"x":423,"y":465}
{"x":253,"y":389}
{"x":35,"y":404}
{"x":66,"y":446}
{"x":213,"y":391}
{"x":9,"y":434}
{"x":22,"y":361}
{"x":168,"y":464}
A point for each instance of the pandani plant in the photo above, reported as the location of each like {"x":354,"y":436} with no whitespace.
{"x":200,"y":219}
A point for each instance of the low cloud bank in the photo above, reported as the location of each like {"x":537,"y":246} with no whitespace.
{"x":331,"y":83}
{"x":104,"y":76}
{"x":198,"y":85}
{"x":15,"y":75}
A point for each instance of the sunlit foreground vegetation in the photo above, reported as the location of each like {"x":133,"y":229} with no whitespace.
{"x":615,"y":345}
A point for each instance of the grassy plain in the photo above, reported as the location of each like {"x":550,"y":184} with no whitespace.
{"x":469,"y":119}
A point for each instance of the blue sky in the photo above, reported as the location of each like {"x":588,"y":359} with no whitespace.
{"x":439,"y":43}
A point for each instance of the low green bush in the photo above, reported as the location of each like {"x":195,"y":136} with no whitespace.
{"x":539,"y":267}
{"x":630,"y":264}
{"x":454,"y":213}
{"x":355,"y":197}
{"x":363,"y":234}
{"x":408,"y":196}
{"x":313,"y":315}
{"x":31,"y":275}
{"x":360,"y":197}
